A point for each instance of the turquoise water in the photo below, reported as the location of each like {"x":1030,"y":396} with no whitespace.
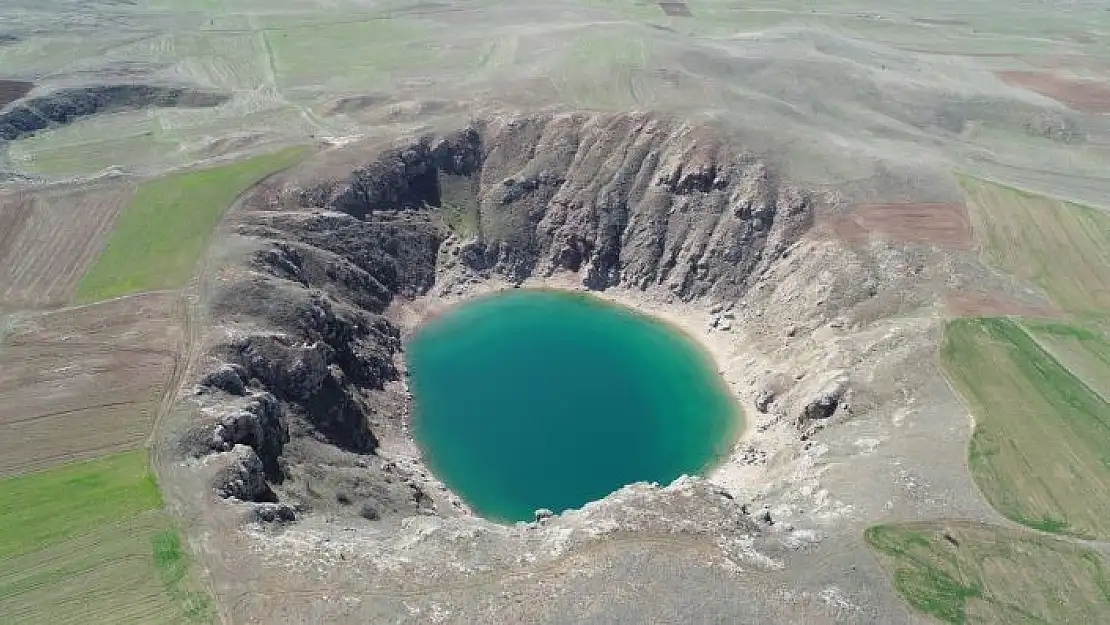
{"x":540,"y":399}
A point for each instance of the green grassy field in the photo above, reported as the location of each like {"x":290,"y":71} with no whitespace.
{"x":47,"y":507}
{"x":89,"y":542}
{"x":160,"y":236}
{"x":1040,"y":452}
{"x":965,"y":573}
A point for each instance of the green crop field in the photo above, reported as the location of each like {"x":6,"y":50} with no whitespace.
{"x":160,"y":236}
{"x":1041,"y":447}
{"x":1086,"y":353}
{"x":1061,"y":247}
{"x":90,"y":543}
{"x":967,"y":573}
{"x":1039,"y":393}
{"x":47,"y":507}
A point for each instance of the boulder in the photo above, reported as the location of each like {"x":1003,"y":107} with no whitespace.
{"x":764,"y":399}
{"x":824,"y":403}
{"x":242,"y":476}
{"x":229,"y":378}
{"x":272,"y":513}
{"x":257,"y":424}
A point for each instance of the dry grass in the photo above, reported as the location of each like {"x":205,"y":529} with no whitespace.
{"x":82,"y":382}
{"x":1039,"y":449}
{"x":972,"y":573}
{"x":47,"y":242}
{"x":1063,"y":248}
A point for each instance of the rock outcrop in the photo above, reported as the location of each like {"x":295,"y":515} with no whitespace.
{"x":68,"y":105}
{"x":825,"y":401}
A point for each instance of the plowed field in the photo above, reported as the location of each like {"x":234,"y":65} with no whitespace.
{"x":48,"y":241}
{"x":83,"y":382}
{"x":943,"y":225}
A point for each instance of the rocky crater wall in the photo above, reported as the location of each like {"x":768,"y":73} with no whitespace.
{"x":304,"y":386}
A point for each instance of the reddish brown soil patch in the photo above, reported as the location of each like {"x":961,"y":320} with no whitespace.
{"x":939,"y":21}
{"x":83,"y":382}
{"x":971,"y":55}
{"x":1067,"y":62}
{"x":986,"y":304}
{"x":1092,"y":96}
{"x":47,"y":242}
{"x":675,"y":9}
{"x":12,"y":90}
{"x":942,"y":225}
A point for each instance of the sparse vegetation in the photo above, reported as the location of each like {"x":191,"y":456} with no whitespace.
{"x":459,"y":209}
{"x":76,"y":547}
{"x":604,"y":71}
{"x":160,"y":236}
{"x":1039,"y":447}
{"x":173,"y":564}
{"x":965,"y":573}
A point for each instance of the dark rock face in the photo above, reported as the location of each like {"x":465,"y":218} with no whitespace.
{"x":67,"y":105}
{"x":625,"y":200}
{"x":621,"y":200}
{"x":313,"y":384}
{"x":228,"y":378}
{"x":258,"y":424}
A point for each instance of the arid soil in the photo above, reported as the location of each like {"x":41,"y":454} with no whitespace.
{"x":85,"y":381}
{"x":48,"y":240}
{"x":942,"y":225}
{"x":1080,"y":94}
{"x":940,"y":21}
